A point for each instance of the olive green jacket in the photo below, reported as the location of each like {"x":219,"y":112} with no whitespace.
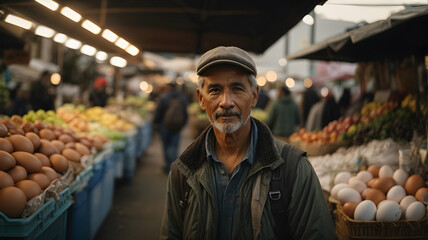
{"x":308,"y":213}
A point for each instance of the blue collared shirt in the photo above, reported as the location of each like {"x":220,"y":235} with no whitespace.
{"x":227,"y":189}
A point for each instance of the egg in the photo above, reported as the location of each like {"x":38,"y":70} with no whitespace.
{"x":365,"y":211}
{"x":420,"y":194}
{"x":374,"y":170}
{"x":336,"y":189}
{"x":364,"y":193}
{"x":12,"y":201}
{"x":384,"y":184}
{"x":413,"y":183}
{"x":50,"y":173}
{"x":364,"y":176}
{"x":47,"y":147}
{"x":388,"y":211}
{"x":82,"y":149}
{"x":30,"y":188}
{"x":58,"y":144}
{"x":400,"y":176}
{"x":21,"y":143}
{"x":396,"y":193}
{"x":71,"y":155}
{"x":5,"y":145}
{"x":349,"y":208}
{"x":371,"y":182}
{"x":40,"y":179}
{"x":405,"y":202}
{"x":348,"y":195}
{"x":385,"y":171}
{"x":34,"y":138}
{"x":415,"y":211}
{"x":7,"y":161}
{"x":65,"y":138}
{"x":43,"y":159}
{"x":342,"y":177}
{"x":353,"y":178}
{"x":46,"y":134}
{"x":3,"y":130}
{"x":28,"y":161}
{"x":375,"y":195}
{"x":357,"y":185}
{"x":5,"y":180}
{"x":18,"y":173}
{"x":59,"y":162}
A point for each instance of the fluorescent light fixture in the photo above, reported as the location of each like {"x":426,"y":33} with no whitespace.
{"x":109,"y":35}
{"x":88,"y":50}
{"x":122,"y":43}
{"x":70,"y":13}
{"x":60,"y":38}
{"x":52,"y":5}
{"x":309,"y":20}
{"x":91,"y":27}
{"x":73,"y":43}
{"x":102,"y":56}
{"x":118,"y":62}
{"x":132,"y":50}
{"x":17,"y":21}
{"x":44,"y":31}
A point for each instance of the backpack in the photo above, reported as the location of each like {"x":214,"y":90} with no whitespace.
{"x":280,"y":187}
{"x":174,"y":118}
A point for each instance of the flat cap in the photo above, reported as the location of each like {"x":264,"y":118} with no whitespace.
{"x":226,"y":55}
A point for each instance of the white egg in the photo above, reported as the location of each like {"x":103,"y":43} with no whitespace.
{"x":365,"y":211}
{"x":415,"y":211}
{"x":388,"y":211}
{"x":342,"y":177}
{"x":336,"y":189}
{"x":400,"y":176}
{"x":385,"y":171}
{"x":405,"y":202}
{"x":396,"y":193}
{"x":364,"y":176}
{"x":357,"y":185}
{"x":348,"y":195}
{"x":353,"y":178}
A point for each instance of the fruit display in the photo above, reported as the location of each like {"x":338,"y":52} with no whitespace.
{"x":108,"y":119}
{"x":259,"y":114}
{"x":47,"y":117}
{"x":375,"y":109}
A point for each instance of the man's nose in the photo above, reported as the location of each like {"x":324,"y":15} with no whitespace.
{"x":226,"y":100}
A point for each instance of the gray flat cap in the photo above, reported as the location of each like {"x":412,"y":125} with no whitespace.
{"x":226,"y":55}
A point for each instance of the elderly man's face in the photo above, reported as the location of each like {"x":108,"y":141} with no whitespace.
{"x":227,"y":97}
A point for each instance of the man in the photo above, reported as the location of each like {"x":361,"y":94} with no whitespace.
{"x":43,"y":93}
{"x":229,"y":166}
{"x":98,"y":95}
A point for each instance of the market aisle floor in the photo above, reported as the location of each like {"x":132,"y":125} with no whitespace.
{"x":138,"y":206}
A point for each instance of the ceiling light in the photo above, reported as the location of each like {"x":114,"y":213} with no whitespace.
{"x":49,"y":4}
{"x":88,"y":50}
{"x":261,"y":81}
{"x":73,"y":43}
{"x":149,"y":89}
{"x":308,"y":19}
{"x":17,"y":21}
{"x":144,"y":85}
{"x":60,"y":38}
{"x":118,"y":62}
{"x":109,"y":35}
{"x":91,"y":27}
{"x":324,"y":91}
{"x":122,"y":43}
{"x":132,"y":50}
{"x":290,"y":82}
{"x":44,"y":31}
{"x":55,"y":78}
{"x":282,"y":62}
{"x":271,"y":76}
{"x":307,"y":82}
{"x":70,"y":13}
{"x":102,"y":56}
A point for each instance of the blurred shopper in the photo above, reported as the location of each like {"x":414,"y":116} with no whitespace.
{"x":98,"y":95}
{"x":344,"y":102}
{"x":231,"y":183}
{"x":170,"y":117}
{"x":284,"y":115}
{"x":330,"y":110}
{"x":314,"y":121}
{"x":263,"y":100}
{"x":20,"y":104}
{"x":43,"y":93}
{"x":310,"y":97}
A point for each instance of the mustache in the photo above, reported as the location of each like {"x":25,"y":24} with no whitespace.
{"x":227,"y":113}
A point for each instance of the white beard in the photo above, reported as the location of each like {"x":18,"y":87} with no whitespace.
{"x":227,"y":127}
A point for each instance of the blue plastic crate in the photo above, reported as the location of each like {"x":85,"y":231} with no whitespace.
{"x":130,"y":159}
{"x":146,"y":136}
{"x":119,"y":158}
{"x":78,"y":218}
{"x":108,"y":187}
{"x":49,"y":222}
{"x":82,"y":179}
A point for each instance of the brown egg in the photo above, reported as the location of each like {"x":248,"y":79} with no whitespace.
{"x":47,"y":134}
{"x":98,"y":145}
{"x":5,"y":145}
{"x":82,"y":149}
{"x":70,"y":145}
{"x":47,"y":147}
{"x":59,"y":162}
{"x":7,"y":161}
{"x":384,"y":184}
{"x":40,"y":179}
{"x":18,"y":173}
{"x":364,"y":193}
{"x":5,"y":180}
{"x":58,"y":144}
{"x":413,"y":183}
{"x":12,"y":201}
{"x":375,"y":195}
{"x":21,"y":143}
{"x":30,"y":188}
{"x":50,"y":173}
{"x":43,"y":159}
{"x":349,"y":208}
{"x":86,"y":142}
{"x":28,"y":161}
{"x":71,"y":155}
{"x":34,"y":138}
{"x":374,"y":170}
{"x":65,"y":138}
{"x":420,"y":194}
{"x":371,"y":182}
{"x":3,"y":130}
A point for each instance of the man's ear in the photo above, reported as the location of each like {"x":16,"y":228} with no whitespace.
{"x":200,"y":99}
{"x":255,"y":96}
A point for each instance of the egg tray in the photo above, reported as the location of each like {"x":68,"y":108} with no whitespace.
{"x":347,"y":228}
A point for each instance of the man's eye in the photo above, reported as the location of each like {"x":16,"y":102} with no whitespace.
{"x":213,"y":90}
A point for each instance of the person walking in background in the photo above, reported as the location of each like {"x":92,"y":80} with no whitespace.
{"x":310,"y":97}
{"x":330,"y":111}
{"x":344,"y":102}
{"x":170,"y":117}
{"x":232,"y":181}
{"x":43,"y":93}
{"x":98,"y":95}
{"x":284,"y":115}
